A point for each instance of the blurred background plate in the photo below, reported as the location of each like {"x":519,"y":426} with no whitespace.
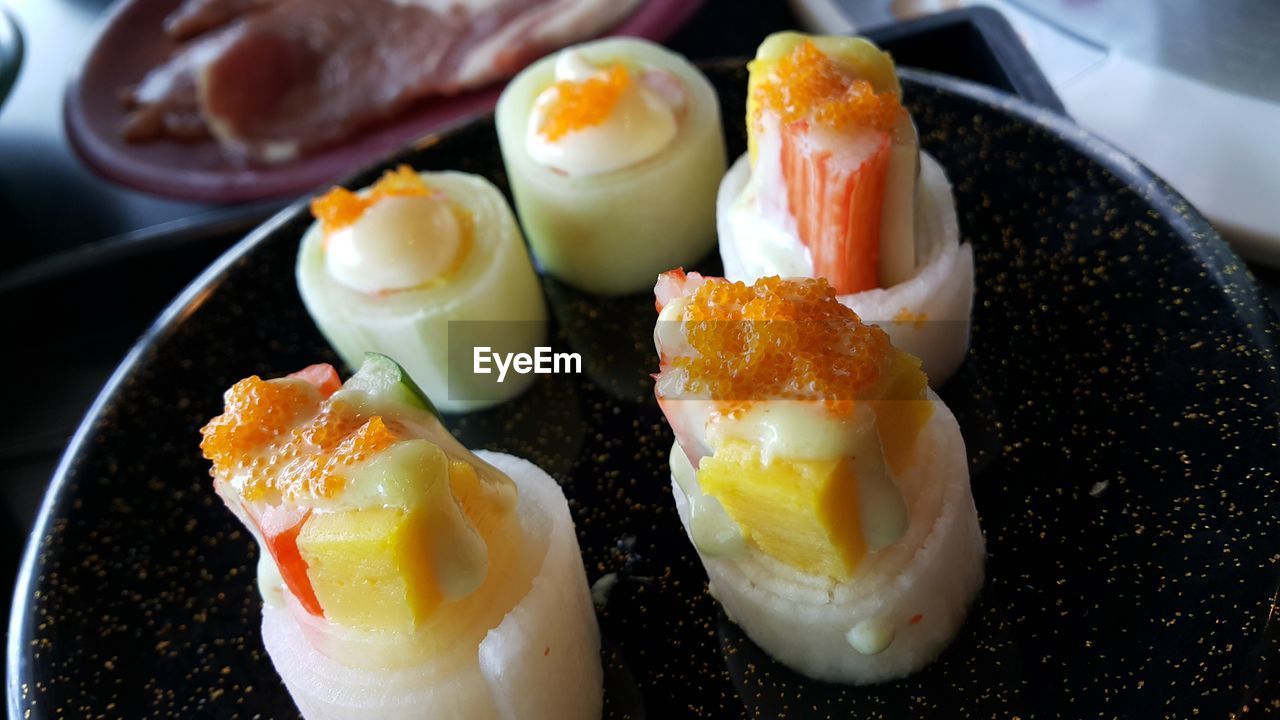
{"x":1119,"y":403}
{"x":10,"y":53}
{"x":131,"y":41}
{"x":1191,"y":89}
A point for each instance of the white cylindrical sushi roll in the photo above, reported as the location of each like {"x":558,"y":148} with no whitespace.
{"x":911,"y":597}
{"x":414,"y":262}
{"x":614,"y":150}
{"x":825,"y":488}
{"x":834,"y":185}
{"x":402,"y":575}
{"x":540,"y":663}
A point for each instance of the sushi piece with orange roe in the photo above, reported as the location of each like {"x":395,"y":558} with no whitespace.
{"x":824,"y":486}
{"x":834,"y":185}
{"x":614,"y":150}
{"x":390,"y":267}
{"x":402,"y":575}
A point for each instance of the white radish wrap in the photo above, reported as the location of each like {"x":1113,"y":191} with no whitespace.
{"x":930,"y":575}
{"x":542,"y":662}
{"x":611,"y":233}
{"x":939,"y":291}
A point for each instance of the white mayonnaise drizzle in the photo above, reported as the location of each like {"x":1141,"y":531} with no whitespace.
{"x":397,"y":244}
{"x":639,"y":127}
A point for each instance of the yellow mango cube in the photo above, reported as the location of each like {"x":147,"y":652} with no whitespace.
{"x":804,"y":513}
{"x":371,"y":568}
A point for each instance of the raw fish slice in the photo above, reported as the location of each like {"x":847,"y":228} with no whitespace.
{"x":340,"y":66}
{"x":197,"y":16}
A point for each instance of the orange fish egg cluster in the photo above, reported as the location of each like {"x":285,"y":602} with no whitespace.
{"x":266,"y":441}
{"x":778,"y":339}
{"x":340,"y":207}
{"x":578,"y":105}
{"x":256,"y":413}
{"x":808,"y":85}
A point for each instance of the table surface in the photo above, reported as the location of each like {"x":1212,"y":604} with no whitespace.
{"x":63,"y":225}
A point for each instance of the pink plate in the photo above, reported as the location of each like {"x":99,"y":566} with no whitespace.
{"x":130,"y":42}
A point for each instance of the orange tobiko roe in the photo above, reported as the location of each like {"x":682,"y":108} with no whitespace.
{"x":340,"y":207}
{"x":778,"y":339}
{"x":582,"y":104}
{"x":808,"y":85}
{"x":280,"y":440}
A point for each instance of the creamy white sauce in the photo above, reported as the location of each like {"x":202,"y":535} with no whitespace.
{"x":870,"y":637}
{"x":397,"y":244}
{"x":713,"y":531}
{"x":796,"y":430}
{"x":762,"y":226}
{"x":882,"y":511}
{"x":270,"y":584}
{"x":394,"y":478}
{"x":639,"y":127}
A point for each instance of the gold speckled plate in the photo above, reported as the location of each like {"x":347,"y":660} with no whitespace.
{"x":1119,"y":403}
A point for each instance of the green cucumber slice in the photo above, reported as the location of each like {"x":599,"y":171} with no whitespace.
{"x":382,"y":378}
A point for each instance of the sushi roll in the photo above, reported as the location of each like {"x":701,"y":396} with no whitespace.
{"x":823,"y":485}
{"x":424,"y":267}
{"x":402,"y":575}
{"x":834,"y":185}
{"x":614,"y":150}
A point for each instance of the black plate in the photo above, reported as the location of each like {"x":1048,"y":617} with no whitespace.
{"x":1119,"y":404}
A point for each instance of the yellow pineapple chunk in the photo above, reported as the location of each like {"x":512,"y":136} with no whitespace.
{"x":371,"y":568}
{"x":804,"y":513}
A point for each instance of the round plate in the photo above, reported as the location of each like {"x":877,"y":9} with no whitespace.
{"x":1118,"y":404}
{"x":131,"y":42}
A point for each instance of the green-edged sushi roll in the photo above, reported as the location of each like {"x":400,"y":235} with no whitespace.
{"x":417,"y":260}
{"x":614,"y":152}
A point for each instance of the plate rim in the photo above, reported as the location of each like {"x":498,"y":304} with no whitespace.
{"x":249,"y":183}
{"x":1194,"y":231}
